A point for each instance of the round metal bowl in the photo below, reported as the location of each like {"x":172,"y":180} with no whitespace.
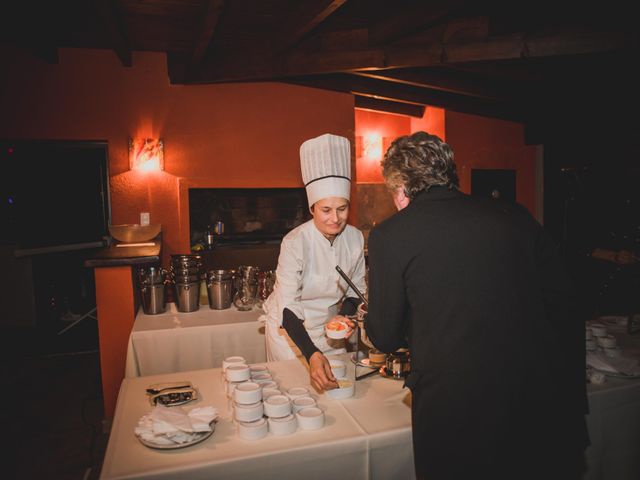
{"x":134,"y":233}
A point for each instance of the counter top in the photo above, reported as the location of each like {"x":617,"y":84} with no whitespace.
{"x":114,"y":256}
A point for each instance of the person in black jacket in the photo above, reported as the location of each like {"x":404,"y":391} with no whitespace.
{"x":477,"y":291}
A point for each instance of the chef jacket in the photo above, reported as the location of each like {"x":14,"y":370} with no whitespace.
{"x":308,"y":284}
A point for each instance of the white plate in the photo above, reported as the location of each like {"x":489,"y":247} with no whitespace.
{"x":364,"y":362}
{"x":199,"y":437}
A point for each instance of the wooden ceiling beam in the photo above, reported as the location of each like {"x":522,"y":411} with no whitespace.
{"x":440,"y":79}
{"x":308,"y":16}
{"x":380,"y":89}
{"x":116,"y":31}
{"x":433,"y":54}
{"x":210,"y":22}
{"x":388,"y":106}
{"x":412,"y":18}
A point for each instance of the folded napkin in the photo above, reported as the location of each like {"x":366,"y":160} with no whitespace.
{"x":169,"y":425}
{"x":622,"y":365}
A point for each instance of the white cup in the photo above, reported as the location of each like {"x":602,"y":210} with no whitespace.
{"x":269,"y":392}
{"x":277,"y":406}
{"x":283,"y":425}
{"x":253,"y":430}
{"x":247,"y":393}
{"x":258,"y":369}
{"x":237,"y":373}
{"x":232,"y":361}
{"x":302,"y":402}
{"x":248,"y":413}
{"x":338,"y":368}
{"x":270,"y":385}
{"x":230,"y":387}
{"x":346,"y":389}
{"x":295,"y":392}
{"x":262,"y":378}
{"x":310,"y":418}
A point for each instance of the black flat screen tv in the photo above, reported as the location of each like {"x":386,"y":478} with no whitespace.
{"x":54,"y":193}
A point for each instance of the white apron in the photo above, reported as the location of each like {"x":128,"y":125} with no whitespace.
{"x":308,"y":284}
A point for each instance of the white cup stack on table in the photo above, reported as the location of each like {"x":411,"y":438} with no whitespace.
{"x":248,"y":412}
{"x":235,"y":360}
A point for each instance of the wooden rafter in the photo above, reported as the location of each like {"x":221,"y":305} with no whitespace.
{"x":433,"y":54}
{"x":388,"y":106}
{"x":116,"y":31}
{"x":413,"y":17}
{"x":209,"y":24}
{"x":440,"y":79}
{"x":308,"y":16}
{"x":383,"y":90}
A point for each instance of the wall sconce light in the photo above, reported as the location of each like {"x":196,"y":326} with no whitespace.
{"x":369,"y":146}
{"x":146,"y":154}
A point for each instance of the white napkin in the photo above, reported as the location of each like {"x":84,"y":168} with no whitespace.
{"x":622,"y":365}
{"x":168,"y":425}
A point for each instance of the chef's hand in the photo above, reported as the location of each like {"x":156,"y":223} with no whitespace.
{"x":320,"y":372}
{"x":348,"y":321}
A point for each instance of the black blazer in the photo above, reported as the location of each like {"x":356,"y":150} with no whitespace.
{"x":478,"y":292}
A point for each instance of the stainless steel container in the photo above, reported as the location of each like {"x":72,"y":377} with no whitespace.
{"x":187,"y":296}
{"x":219,"y":289}
{"x":398,"y":364}
{"x":153,"y":298}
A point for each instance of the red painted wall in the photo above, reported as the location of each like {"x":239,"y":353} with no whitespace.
{"x":228,"y":135}
{"x":480,"y":142}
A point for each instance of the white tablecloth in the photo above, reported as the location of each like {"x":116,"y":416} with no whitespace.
{"x":176,"y":341}
{"x":358,"y":441}
{"x":367,"y":436}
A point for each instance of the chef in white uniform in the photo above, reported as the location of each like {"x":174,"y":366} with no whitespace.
{"x":309,"y":292}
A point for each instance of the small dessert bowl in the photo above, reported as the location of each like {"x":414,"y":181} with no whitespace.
{"x":248,"y":413}
{"x":247,"y":393}
{"x":232,"y":361}
{"x":277,"y":406}
{"x":253,"y":430}
{"x":283,"y":425}
{"x":336,"y":329}
{"x":346,"y":388}
{"x":310,"y":418}
{"x":302,"y":402}
{"x":295,"y":392}
{"x":237,"y":373}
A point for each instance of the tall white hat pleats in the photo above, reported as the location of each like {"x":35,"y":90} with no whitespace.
{"x":325,"y":162}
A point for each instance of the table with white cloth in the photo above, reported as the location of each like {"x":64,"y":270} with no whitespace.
{"x":180,"y":341}
{"x":614,"y":418}
{"x":367,"y":436}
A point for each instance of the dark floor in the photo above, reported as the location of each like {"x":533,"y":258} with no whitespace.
{"x":52,"y":403}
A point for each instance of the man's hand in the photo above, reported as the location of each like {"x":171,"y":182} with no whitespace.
{"x":320,"y":373}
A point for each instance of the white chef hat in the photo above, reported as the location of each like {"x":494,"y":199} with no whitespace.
{"x":325,"y":162}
